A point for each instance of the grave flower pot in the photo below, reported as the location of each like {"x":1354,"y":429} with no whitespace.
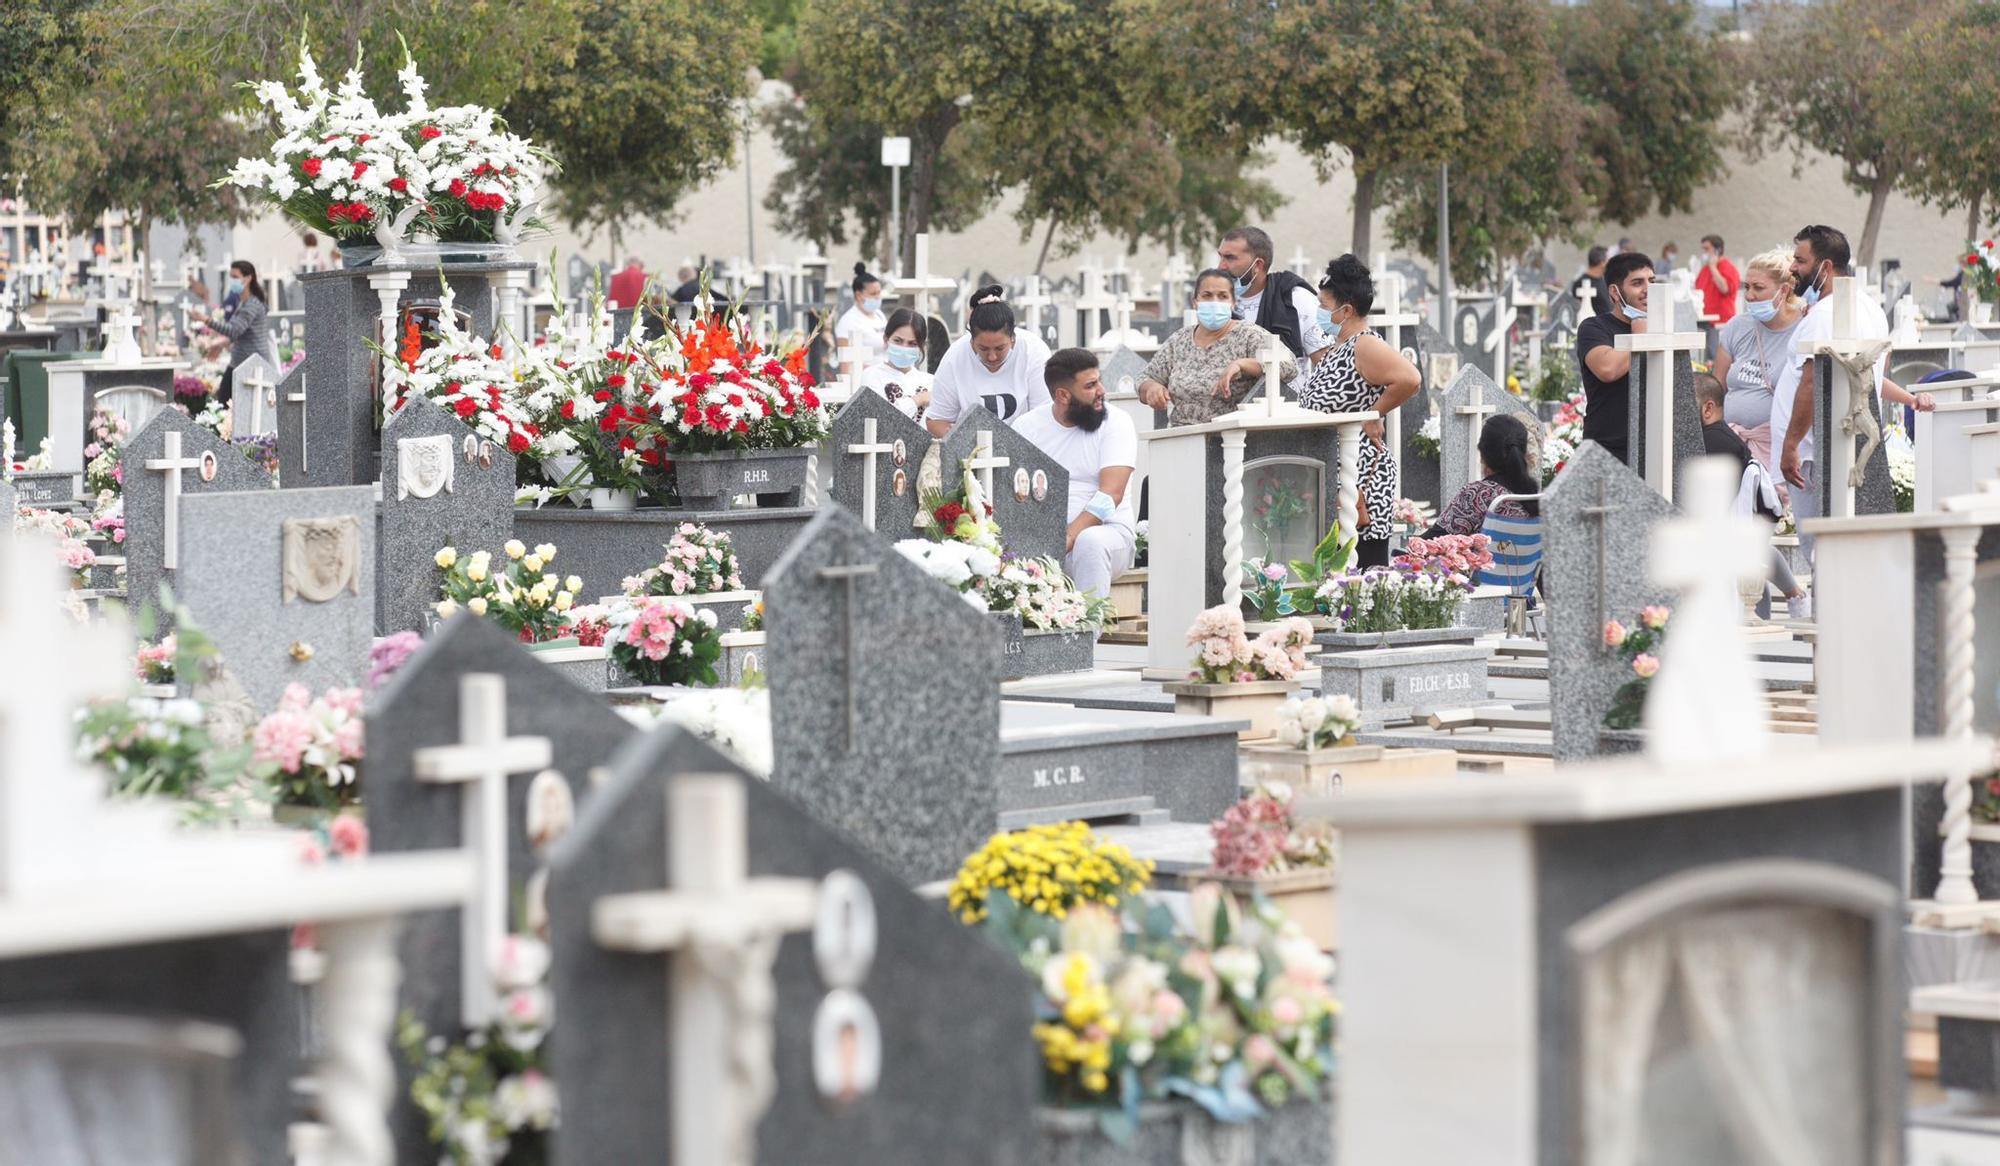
{"x":1982,"y":312}
{"x":613,"y":499}
{"x":1334,"y":641}
{"x":713,"y":481}
{"x":1183,"y":1134}
{"x":1308,"y":770}
{"x":1035,"y":652}
{"x":560,"y":468}
{"x":558,"y":644}
{"x":1255,"y":701}
{"x":1305,"y":896}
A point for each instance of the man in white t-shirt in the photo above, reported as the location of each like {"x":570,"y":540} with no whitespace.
{"x":1820,"y":255}
{"x":1099,"y":447}
{"x":993,"y":365}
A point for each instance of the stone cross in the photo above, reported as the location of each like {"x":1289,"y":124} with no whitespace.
{"x":1031,"y":303}
{"x":1391,"y":319}
{"x":922,"y":284}
{"x":121,"y":339}
{"x":984,"y":461}
{"x":1092,"y":300}
{"x":722,"y":930}
{"x":1706,"y":706}
{"x":848,"y":574}
{"x":262,"y":395}
{"x":172,"y":465}
{"x":481,"y":762}
{"x":305,"y":446}
{"x":1654,"y":335}
{"x":870,"y":448}
{"x":1533,"y":302}
{"x":1586,"y":298}
{"x":1849,"y":412}
{"x":1597,"y":515}
{"x":1302,"y":263}
{"x":1474,"y":411}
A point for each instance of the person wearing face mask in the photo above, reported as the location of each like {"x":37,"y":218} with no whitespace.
{"x":1099,"y":447}
{"x":1277,"y":301}
{"x":1718,"y":281}
{"x":1205,"y":369}
{"x":247,"y":329}
{"x":900,"y":375}
{"x":1607,"y":372}
{"x":1753,"y":350}
{"x":994,"y":364}
{"x":863,"y":325}
{"x":1357,"y":372}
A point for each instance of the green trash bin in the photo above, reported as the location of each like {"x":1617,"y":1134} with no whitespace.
{"x":28,"y":394}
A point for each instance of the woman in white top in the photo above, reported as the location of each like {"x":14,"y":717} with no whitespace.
{"x":993,"y":365}
{"x":900,"y":375}
{"x":862,"y":325}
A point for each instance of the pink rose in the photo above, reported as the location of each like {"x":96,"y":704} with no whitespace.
{"x":1614,"y":634}
{"x":350,"y":836}
{"x":1646,"y":665}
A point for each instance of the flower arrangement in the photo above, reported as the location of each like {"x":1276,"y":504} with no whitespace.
{"x":154,"y":663}
{"x":388,"y":654}
{"x":1425,"y":441}
{"x":72,"y":537}
{"x":963,"y":516}
{"x":1264,"y":585}
{"x":343,"y":167}
{"x":523,"y":596}
{"x":1040,"y":593}
{"x":262,"y":451}
{"x":1318,"y":722}
{"x":149,"y":747}
{"x":1563,"y":436}
{"x":1049,"y":870}
{"x":1902,"y":471}
{"x":466,"y":375}
{"x":309,"y":748}
{"x":1390,"y":599}
{"x":489,"y":1099}
{"x":1141,"y":540}
{"x":110,"y":526}
{"x":104,"y":473}
{"x":192,"y":391}
{"x":1982,"y":272}
{"x":719,"y":390}
{"x":1413,"y":514}
{"x":590,"y":623}
{"x":734,"y":720}
{"x":753,"y":616}
{"x":1559,"y":380}
{"x":591,"y":400}
{"x":1458,"y":555}
{"x":1639,"y":645}
{"x":1226,"y":655}
{"x":665,"y":641}
{"x":1276,"y":505}
{"x":1260,"y":835}
{"x":698,"y":561}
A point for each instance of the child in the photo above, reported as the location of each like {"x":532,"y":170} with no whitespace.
{"x":1757,"y":495}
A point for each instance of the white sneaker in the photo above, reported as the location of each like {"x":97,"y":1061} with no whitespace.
{"x":1800,"y":608}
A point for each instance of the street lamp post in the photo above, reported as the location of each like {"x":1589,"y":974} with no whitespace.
{"x":896,"y":155}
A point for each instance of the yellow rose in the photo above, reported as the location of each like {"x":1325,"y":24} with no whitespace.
{"x":446,"y":557}
{"x":481,"y":559}
{"x":563,"y":601}
{"x":573,"y":583}
{"x":476,"y":572}
{"x":552,"y":581}
{"x":539,"y":594}
{"x":446,"y":609}
{"x":476,"y":605}
{"x":514,"y":548}
{"x":532,"y":563}
{"x":547,"y":551}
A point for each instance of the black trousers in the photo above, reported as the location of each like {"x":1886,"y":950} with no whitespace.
{"x":1372,"y":552}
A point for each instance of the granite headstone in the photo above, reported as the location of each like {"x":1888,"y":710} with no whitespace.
{"x":284,"y":582}
{"x":1686,"y":413}
{"x":1030,"y":496}
{"x":1122,"y":363}
{"x":1458,"y":432}
{"x":1421,"y":471}
{"x":434,"y":494}
{"x":1470,"y":323}
{"x":146,"y":493}
{"x":911,"y":783}
{"x":1597,"y":522}
{"x":895,"y":470}
{"x":419,"y":708}
{"x":957,"y":1068}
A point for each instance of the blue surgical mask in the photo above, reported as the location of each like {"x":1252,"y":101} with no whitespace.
{"x":235,"y":285}
{"x":1324,"y":318}
{"x":1243,"y":281}
{"x":1213,"y":314}
{"x":1811,"y":294}
{"x":1762,"y":311}
{"x":872,"y":306}
{"x":1632,"y":313}
{"x":902,"y":356}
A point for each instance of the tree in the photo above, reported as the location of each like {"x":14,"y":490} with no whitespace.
{"x":649,"y":109}
{"x":1948,"y":122}
{"x":1833,"y":87}
{"x":41,"y":43}
{"x":982,"y":65}
{"x":1652,"y":89}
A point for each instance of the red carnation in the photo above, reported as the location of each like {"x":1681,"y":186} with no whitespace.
{"x":812,"y":401}
{"x":651,"y":457}
{"x":626,"y":444}
{"x":602,"y":394}
{"x":399,"y":185}
{"x":691,"y":419}
{"x":615,"y":380}
{"x":457,"y":188}
{"x":517,"y":442}
{"x":569,"y":410}
{"x":736,"y":399}
{"x":742,"y":427}
{"x":430,"y":133}
{"x":360,"y":168}
{"x":700,"y":380}
{"x":607,"y":424}
{"x":466,"y":406}
{"x":311,"y":167}
{"x":454,"y":388}
{"x":362,"y":140}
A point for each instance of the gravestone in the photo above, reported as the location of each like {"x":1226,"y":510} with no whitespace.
{"x":1463,"y":408}
{"x":1687,"y":440}
{"x":284,"y":582}
{"x":253,"y":401}
{"x":844,"y":611}
{"x":1278,"y":464}
{"x":1876,"y":494}
{"x":884,"y":1019}
{"x":46,"y":489}
{"x":1028,"y":489}
{"x":1422,"y":473}
{"x":1597,"y":522}
{"x":420,"y":708}
{"x":1470,"y":322}
{"x":894,"y":464}
{"x":216,"y":467}
{"x":435,"y":491}
{"x":1124,"y":363}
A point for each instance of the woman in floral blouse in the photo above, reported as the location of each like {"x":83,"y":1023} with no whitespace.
{"x":1503,"y":455}
{"x":1207,"y":368}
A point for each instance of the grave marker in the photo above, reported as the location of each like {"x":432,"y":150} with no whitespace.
{"x":1463,"y":407}
{"x":881,"y":489}
{"x":172,"y":436}
{"x":433,"y":495}
{"x":253,"y":406}
{"x":1665,"y":424}
{"x":1033,"y":523}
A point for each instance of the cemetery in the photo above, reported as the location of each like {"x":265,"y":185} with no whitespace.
{"x":475,"y":704}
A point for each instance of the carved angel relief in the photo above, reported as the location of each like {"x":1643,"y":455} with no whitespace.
{"x":322,"y":558}
{"x":424,"y":466}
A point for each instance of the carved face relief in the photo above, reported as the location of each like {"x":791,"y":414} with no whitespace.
{"x":322,"y":558}
{"x":424,"y":466}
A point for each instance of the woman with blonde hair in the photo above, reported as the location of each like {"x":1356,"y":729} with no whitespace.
{"x":1754,"y":349}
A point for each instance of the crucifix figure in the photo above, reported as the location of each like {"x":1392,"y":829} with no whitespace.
{"x":870,"y":447}
{"x":983,"y":461}
{"x":722,"y":930}
{"x":171,"y":464}
{"x":480,"y":764}
{"x":1706,"y":705}
{"x":848,"y":574}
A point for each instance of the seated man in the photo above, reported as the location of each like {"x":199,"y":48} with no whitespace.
{"x":1099,"y":448}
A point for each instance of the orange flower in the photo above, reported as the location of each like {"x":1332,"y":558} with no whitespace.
{"x":413,"y":343}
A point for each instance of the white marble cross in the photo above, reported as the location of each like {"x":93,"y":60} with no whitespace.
{"x":1656,"y":337}
{"x":305,"y":447}
{"x":869,"y":448}
{"x":1474,"y":411}
{"x":984,"y":462}
{"x":1091,"y":301}
{"x":121,"y":336}
{"x":1586,"y":299}
{"x":480,"y":763}
{"x":1031,"y":303}
{"x":171,"y":464}
{"x":1391,"y":318}
{"x":257,"y":392}
{"x":722,"y":930}
{"x":1706,"y":705}
{"x":1302,"y":263}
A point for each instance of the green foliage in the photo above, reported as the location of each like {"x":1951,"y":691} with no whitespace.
{"x":1329,"y":558}
{"x":41,"y":42}
{"x":1946,"y":121}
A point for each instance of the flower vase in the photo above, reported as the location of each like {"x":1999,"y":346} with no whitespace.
{"x":567,"y":472}
{"x":601,"y":499}
{"x":1255,"y":701}
{"x":1982,"y":312}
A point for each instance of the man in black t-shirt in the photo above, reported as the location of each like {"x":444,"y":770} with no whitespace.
{"x":1607,"y":372}
{"x":1593,"y":274}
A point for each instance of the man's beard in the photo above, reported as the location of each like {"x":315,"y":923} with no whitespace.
{"x":1087,"y":418}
